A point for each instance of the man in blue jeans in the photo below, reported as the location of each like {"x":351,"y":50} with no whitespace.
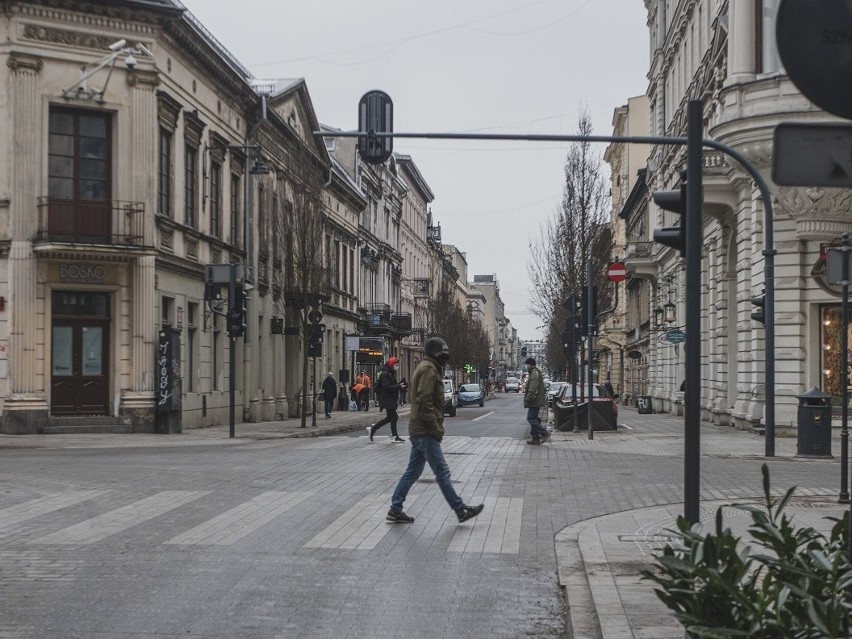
{"x":426,"y":430}
{"x":534,"y":398}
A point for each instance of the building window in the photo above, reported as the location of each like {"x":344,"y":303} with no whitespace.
{"x":190,"y":178}
{"x":167,"y":311}
{"x":766,"y":54}
{"x":79,"y":176}
{"x":191,"y":346}
{"x":235,"y":210}
{"x":164,"y":173}
{"x":216,"y":200}
{"x":263,"y":249}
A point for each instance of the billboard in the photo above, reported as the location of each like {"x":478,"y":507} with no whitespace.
{"x":371,"y":350}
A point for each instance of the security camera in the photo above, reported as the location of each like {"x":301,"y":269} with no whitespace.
{"x":130,"y":62}
{"x":118,"y":46}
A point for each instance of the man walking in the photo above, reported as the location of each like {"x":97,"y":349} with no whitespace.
{"x":329,"y":393}
{"x":387,"y":392}
{"x":534,"y":398}
{"x":426,"y":430}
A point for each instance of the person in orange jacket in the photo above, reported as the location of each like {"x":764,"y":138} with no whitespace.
{"x":365,"y":380}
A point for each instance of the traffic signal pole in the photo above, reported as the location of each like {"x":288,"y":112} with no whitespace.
{"x":694,"y":241}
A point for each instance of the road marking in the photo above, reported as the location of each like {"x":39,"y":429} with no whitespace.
{"x":240,"y":521}
{"x":501,"y":533}
{"x":483,"y":416}
{"x":361,"y":527}
{"x":115,"y":521}
{"x":626,"y":426}
{"x":14,"y":515}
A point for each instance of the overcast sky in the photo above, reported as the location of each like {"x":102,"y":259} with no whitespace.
{"x":506,"y":66}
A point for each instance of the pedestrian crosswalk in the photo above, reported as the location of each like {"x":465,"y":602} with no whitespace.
{"x":360,"y":526}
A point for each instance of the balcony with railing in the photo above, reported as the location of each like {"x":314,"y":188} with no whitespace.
{"x":112,"y":223}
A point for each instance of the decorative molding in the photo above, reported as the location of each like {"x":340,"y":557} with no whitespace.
{"x":168,"y":110}
{"x":19,"y":62}
{"x":814,"y":204}
{"x":66,"y":37}
{"x":193,"y":127}
{"x":810,"y":229}
{"x":144,"y":79}
{"x":167,"y":240}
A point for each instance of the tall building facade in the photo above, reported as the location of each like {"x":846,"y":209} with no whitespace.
{"x":723,"y":54}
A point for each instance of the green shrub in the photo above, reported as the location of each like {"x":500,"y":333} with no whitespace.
{"x":787,"y":583}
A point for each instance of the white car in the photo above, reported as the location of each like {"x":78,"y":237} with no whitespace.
{"x":512,"y":385}
{"x":449,"y":398}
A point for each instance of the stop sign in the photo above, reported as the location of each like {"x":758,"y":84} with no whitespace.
{"x":617,"y":272}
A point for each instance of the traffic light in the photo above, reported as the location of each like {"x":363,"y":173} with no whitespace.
{"x":315,"y":338}
{"x":582,"y":315}
{"x":523,"y":351}
{"x":759,"y":313}
{"x":675,"y":201}
{"x":236,"y":310}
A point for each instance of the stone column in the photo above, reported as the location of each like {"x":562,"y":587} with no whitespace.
{"x":26,"y":409}
{"x":138,"y":402}
{"x":741,"y":42}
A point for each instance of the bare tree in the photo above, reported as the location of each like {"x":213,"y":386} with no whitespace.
{"x":305,"y":278}
{"x":578,"y":231}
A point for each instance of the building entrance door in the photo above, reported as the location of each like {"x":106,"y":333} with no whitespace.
{"x":80,"y":354}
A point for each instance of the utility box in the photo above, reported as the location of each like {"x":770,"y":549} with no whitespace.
{"x":643,"y":405}
{"x":814,"y":424}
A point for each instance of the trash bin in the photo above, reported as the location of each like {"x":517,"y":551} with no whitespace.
{"x":814,"y":424}
{"x":644,"y":405}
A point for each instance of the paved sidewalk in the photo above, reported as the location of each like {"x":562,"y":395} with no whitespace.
{"x":341,"y":422}
{"x":599,"y":560}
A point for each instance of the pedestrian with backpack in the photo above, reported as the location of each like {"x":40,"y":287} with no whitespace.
{"x":387,"y":392}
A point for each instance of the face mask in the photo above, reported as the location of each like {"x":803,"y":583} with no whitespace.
{"x":442,"y":357}
{"x":529,"y":367}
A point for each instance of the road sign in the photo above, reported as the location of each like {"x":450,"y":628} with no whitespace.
{"x":617,"y":272}
{"x":836,"y":271}
{"x":813,"y":154}
{"x":815,"y":44}
{"x":675,"y":337}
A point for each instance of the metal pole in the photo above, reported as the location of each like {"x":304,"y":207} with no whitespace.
{"x":575,"y":374}
{"x":844,"y":378}
{"x":590,"y":336}
{"x":694,"y":234}
{"x":233,"y":387}
{"x":314,"y":393}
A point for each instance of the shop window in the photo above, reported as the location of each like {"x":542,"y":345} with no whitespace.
{"x":831,"y":353}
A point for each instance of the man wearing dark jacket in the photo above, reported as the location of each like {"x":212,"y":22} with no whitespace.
{"x":426,"y":430}
{"x":329,"y":393}
{"x":534,"y":398}
{"x":387,"y":392}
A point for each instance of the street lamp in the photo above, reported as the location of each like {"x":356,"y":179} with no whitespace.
{"x":669,"y":312}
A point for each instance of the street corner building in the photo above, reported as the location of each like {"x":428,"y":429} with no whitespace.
{"x":135,"y":153}
{"x":723,"y":54}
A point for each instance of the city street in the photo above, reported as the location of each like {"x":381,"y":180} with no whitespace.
{"x":287,"y":537}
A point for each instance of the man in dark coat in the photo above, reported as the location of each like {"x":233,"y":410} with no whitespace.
{"x":329,"y":393}
{"x":387,"y":391}
{"x":426,"y":430}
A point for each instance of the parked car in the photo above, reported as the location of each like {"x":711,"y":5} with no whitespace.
{"x":470,"y":394}
{"x":553,"y":390}
{"x":513,"y":385}
{"x":599,"y":394}
{"x":449,"y":398}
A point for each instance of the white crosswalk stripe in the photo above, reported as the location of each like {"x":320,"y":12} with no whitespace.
{"x":241,"y":520}
{"x":496,"y":530}
{"x":19,"y":513}
{"x":115,"y":521}
{"x":361,"y":527}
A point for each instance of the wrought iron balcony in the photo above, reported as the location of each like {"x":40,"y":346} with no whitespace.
{"x":78,"y":221}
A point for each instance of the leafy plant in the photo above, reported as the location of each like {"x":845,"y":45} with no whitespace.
{"x":788,"y":582}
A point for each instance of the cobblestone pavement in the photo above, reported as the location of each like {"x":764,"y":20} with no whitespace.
{"x":287,"y":538}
